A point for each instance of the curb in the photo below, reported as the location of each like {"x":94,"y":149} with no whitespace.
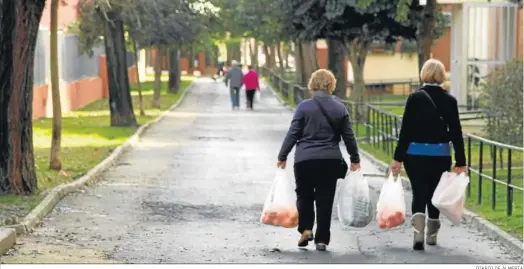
{"x":7,"y":239}
{"x":8,"y":233}
{"x":474,"y":220}
{"x":285,"y":104}
{"x":489,"y":229}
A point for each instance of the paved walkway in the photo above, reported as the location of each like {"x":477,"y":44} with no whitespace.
{"x":192,"y":192}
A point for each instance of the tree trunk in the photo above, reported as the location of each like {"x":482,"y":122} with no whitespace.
{"x":19,"y":21}
{"x":357,"y":56}
{"x":158,"y":76}
{"x":54,"y":162}
{"x":120,"y":102}
{"x":253,"y":48}
{"x":229,"y":54}
{"x":308,"y":54}
{"x":174,"y":70}
{"x":190,"y":61}
{"x":286,"y":55}
{"x":280,"y":61}
{"x":236,"y":51}
{"x":267,"y":55}
{"x":425,"y":38}
{"x":299,"y":67}
{"x":140,"y":97}
{"x":336,"y":65}
{"x":244,"y":51}
{"x":272,"y":52}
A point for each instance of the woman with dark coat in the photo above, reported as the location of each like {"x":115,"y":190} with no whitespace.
{"x":316,"y":129}
{"x":430,"y":122}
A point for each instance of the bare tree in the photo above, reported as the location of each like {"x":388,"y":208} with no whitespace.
{"x":55,"y":162}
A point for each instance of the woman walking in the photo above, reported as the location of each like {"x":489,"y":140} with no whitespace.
{"x":250,"y":81}
{"x":316,"y":129}
{"x":430,"y":122}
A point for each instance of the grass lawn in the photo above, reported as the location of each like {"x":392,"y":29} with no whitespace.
{"x":87,"y":139}
{"x":511,"y":224}
{"x":390,"y":98}
{"x":397,"y":110}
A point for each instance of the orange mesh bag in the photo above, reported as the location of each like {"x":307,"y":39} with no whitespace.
{"x":391,"y":206}
{"x":280,"y":206}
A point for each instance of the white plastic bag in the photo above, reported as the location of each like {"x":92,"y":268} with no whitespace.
{"x":449,"y":196}
{"x":391,"y":206}
{"x":257,"y":96}
{"x":280,"y":207}
{"x":354,"y":204}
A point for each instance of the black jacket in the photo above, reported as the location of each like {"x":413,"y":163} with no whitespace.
{"x":422,"y":124}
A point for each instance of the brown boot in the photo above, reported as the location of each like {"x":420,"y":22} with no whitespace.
{"x":433,"y":228}
{"x":418,"y":222}
{"x":305,"y":237}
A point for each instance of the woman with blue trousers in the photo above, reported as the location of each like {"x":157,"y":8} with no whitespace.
{"x":430,"y":122}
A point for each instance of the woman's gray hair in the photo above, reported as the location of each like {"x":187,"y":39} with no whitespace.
{"x":322,"y":80}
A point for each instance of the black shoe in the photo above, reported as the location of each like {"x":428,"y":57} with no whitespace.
{"x":305,"y":238}
{"x":418,"y":246}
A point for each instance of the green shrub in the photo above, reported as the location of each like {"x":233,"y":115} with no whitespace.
{"x":503,"y":95}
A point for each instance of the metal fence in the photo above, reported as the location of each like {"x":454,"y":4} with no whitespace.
{"x":392,"y":92}
{"x":292,"y":92}
{"x":496,"y":167}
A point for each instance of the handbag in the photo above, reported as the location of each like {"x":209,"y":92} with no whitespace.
{"x":344,"y":166}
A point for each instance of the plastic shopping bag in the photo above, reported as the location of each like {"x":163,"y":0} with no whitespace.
{"x":391,"y":206}
{"x":449,"y":196}
{"x":280,"y":207}
{"x":257,"y":96}
{"x":354,"y":203}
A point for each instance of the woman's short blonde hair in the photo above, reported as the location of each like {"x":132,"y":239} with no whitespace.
{"x":322,"y":80}
{"x":433,"y":71}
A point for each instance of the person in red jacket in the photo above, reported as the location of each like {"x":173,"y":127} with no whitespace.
{"x":250,"y":81}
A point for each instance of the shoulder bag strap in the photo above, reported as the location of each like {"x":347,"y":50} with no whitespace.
{"x":330,"y":121}
{"x":434,"y":106}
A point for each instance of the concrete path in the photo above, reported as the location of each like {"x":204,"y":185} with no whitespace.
{"x":192,"y":192}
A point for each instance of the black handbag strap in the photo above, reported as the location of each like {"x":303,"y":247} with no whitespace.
{"x":330,"y":121}
{"x":434,"y":106}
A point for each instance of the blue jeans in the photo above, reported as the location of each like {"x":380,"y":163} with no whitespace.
{"x":235,"y":99}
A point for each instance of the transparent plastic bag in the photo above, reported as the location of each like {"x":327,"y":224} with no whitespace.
{"x":258,"y":98}
{"x":391,"y":206}
{"x":280,"y":207}
{"x":449,"y":196}
{"x":354,"y":203}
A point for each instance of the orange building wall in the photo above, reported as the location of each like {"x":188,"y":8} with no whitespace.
{"x":441,"y":49}
{"x":322,"y":58}
{"x":40,"y":100}
{"x":76,"y":94}
{"x":184,"y":63}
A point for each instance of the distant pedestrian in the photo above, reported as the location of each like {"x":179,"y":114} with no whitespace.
{"x":234,"y":78}
{"x":252,"y":85}
{"x":220,"y":70}
{"x":220,"y":67}
{"x":431,"y":120}
{"x":316,"y":129}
